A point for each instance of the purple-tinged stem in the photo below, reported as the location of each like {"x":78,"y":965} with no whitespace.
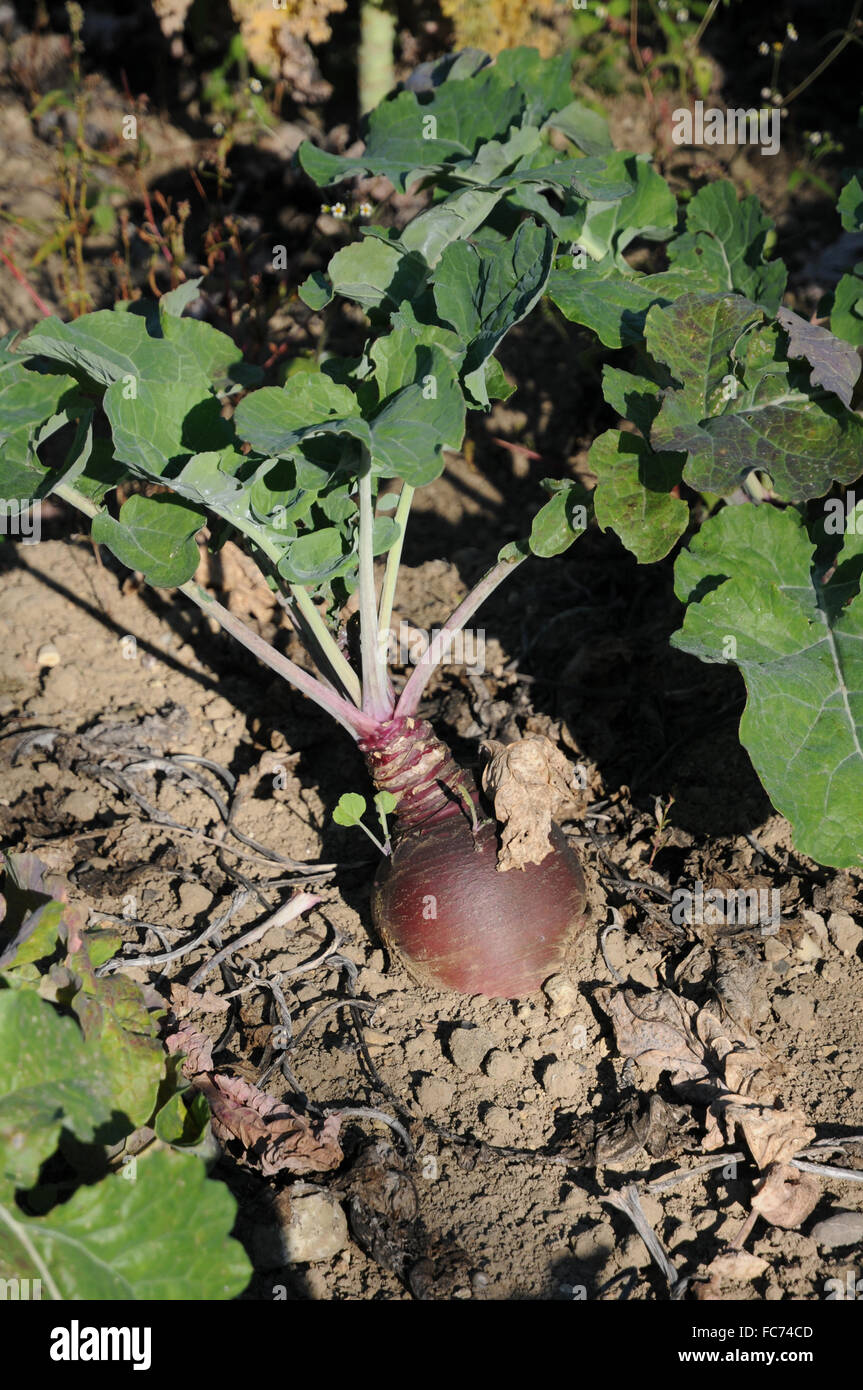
{"x":439,"y":646}
{"x":347,"y":714}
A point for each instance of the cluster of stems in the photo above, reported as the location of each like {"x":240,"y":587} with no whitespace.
{"x":362,"y":703}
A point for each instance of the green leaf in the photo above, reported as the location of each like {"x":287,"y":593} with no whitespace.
{"x":350,"y":809}
{"x":483,"y":292}
{"x":835,"y":365}
{"x":585,"y":128}
{"x":453,"y":220}
{"x":741,"y":408}
{"x":846,"y":314}
{"x":413,"y":427}
{"x":408,"y":138}
{"x":108,"y":346}
{"x":316,"y":291}
{"x":633,"y":494}
{"x":724,"y":244}
{"x":316,"y":556}
{"x":561,"y":521}
{"x":850,"y":205}
{"x":176,"y":301}
{"x":161,"y":1236}
{"x":649,"y":211}
{"x":275,"y":419}
{"x":49,"y":1080}
{"x":156,"y":424}
{"x":377,"y":273}
{"x":635,"y":398}
{"x":756,"y":597}
{"x":155,"y":535}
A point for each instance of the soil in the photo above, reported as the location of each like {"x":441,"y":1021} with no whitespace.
{"x":510,"y":1194}
{"x":522,"y":1115}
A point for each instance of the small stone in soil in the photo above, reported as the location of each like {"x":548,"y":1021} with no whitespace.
{"x":562,"y":1080}
{"x":844,"y":933}
{"x":434,"y":1093}
{"x":194,"y":898}
{"x":468,"y":1047}
{"x":500,"y":1066}
{"x":840,"y":1229}
{"x":561,"y":994}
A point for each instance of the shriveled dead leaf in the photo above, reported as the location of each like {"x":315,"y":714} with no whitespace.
{"x":773,"y":1136}
{"x":198,"y":1049}
{"x":737,"y":1266}
{"x":276,"y":1139}
{"x":712,"y":1062}
{"x":530,"y":782}
{"x":731,"y":1267}
{"x":786,"y":1196}
{"x":835,"y":363}
{"x":185,"y":1001}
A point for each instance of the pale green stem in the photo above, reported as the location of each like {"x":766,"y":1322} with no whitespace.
{"x":375,"y":701}
{"x":347,"y":714}
{"x":391,"y":573}
{"x":342,"y":669}
{"x":441,"y":642}
{"x":375,"y":60}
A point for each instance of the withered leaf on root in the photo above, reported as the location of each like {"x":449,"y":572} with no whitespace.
{"x":712,"y":1062}
{"x":276,"y":1139}
{"x":530,"y":782}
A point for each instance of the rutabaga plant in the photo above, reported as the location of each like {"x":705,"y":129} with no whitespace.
{"x":527,"y":198}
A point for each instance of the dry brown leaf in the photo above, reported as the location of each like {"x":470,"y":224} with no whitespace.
{"x":275,"y":1137}
{"x":713,"y":1062}
{"x":785,"y":1196}
{"x":773,"y":1136}
{"x":731,"y":1267}
{"x":530,"y":782}
{"x":737,"y":1266}
{"x":185,"y":1001}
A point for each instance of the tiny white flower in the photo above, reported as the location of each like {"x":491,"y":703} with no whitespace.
{"x":776,"y":99}
{"x":815,"y":137}
{"x":764,"y":49}
{"x":791,"y":32}
{"x":365,"y":209}
{"x":765,"y":93}
{"x":218,"y":128}
{"x":682,"y":16}
{"x":338,"y":209}
{"x":255,"y":85}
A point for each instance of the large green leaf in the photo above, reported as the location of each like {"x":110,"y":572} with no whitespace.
{"x":409,"y":137}
{"x":160,"y":1233}
{"x":482,"y":291}
{"x":741,"y":407}
{"x":724,"y":243}
{"x":633,"y":494}
{"x":155,"y":535}
{"x":49,"y":1080}
{"x":757,"y":598}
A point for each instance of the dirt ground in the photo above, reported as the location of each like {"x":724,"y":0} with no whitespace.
{"x":506,"y":1125}
{"x":522,"y":1127}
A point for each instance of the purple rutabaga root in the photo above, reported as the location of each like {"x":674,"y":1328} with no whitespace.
{"x":405,"y":757}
